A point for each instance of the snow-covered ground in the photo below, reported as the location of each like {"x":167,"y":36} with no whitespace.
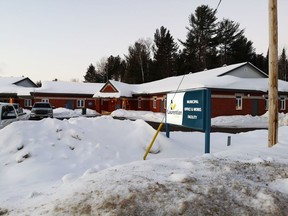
{"x":238,"y":121}
{"x":94,"y":166}
{"x":68,"y":113}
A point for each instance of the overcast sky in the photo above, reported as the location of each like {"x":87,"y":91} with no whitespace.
{"x":48,"y":39}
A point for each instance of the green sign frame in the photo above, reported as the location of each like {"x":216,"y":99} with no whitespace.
{"x":190,"y":109}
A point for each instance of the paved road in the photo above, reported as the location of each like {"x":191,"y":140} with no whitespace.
{"x":213,"y":129}
{"x":233,"y":130}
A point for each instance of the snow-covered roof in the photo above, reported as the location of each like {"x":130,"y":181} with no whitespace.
{"x":226,"y":77}
{"x":10,"y":80}
{"x":61,"y":87}
{"x":9,"y":85}
{"x":121,"y":90}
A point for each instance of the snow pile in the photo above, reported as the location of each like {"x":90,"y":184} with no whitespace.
{"x":145,"y":115}
{"x":237,"y":121}
{"x":94,"y":166}
{"x":247,"y":121}
{"x":68,"y":113}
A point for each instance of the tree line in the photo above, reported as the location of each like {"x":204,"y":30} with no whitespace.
{"x":209,"y":43}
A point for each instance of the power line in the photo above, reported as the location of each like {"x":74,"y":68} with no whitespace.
{"x":218,"y":5}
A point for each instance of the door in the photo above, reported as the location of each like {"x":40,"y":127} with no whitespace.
{"x":69,"y":104}
{"x":105,"y":105}
{"x":123,"y":104}
{"x":255,"y":107}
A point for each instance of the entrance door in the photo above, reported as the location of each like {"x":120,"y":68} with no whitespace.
{"x":255,"y":107}
{"x":105,"y":104}
{"x":69,"y":104}
{"x":123,"y":104}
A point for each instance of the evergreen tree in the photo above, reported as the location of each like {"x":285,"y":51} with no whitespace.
{"x":180,"y":63}
{"x":165,"y":54}
{"x":201,"y":40}
{"x":39,"y":83}
{"x":227,"y":33}
{"x":267,"y":62}
{"x":114,"y":68}
{"x":242,"y":50}
{"x":283,"y":66}
{"x":92,"y":76}
{"x":260,"y":62}
{"x":138,"y":61}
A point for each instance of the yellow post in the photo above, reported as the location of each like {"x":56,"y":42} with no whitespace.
{"x":151,"y":144}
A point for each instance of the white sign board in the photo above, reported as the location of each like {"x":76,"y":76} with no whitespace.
{"x":174,"y":112}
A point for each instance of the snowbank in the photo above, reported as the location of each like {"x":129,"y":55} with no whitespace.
{"x":145,"y":115}
{"x":68,"y":113}
{"x":94,"y":166}
{"x":237,"y":121}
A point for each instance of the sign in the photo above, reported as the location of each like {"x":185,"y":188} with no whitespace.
{"x":187,"y":109}
{"x":191,"y":109}
{"x":174,"y":112}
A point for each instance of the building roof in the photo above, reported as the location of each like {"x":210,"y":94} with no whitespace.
{"x":242,"y":76}
{"x":120,"y":89}
{"x":61,"y":87}
{"x":16,"y":85}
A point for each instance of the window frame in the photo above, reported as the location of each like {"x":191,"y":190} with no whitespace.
{"x":45,"y":100}
{"x":27,"y":102}
{"x":139,"y":105}
{"x":154,"y":102}
{"x":239,"y":102}
{"x":80,"y":103}
{"x":282,"y":103}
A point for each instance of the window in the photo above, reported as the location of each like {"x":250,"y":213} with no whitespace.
{"x":8,"y":112}
{"x":139,"y":102}
{"x":27,"y":103}
{"x":45,"y":100}
{"x":165,"y":102}
{"x":154,"y":102}
{"x":238,"y":102}
{"x":266,"y":103}
{"x":80,"y":103}
{"x":282,"y":103}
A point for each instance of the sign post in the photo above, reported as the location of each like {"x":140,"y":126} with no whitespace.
{"x":191,"y":109}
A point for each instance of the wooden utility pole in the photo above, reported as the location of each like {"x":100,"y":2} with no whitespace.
{"x":273,"y":74}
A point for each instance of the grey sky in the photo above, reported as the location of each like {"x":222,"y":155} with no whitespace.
{"x":47,"y":39}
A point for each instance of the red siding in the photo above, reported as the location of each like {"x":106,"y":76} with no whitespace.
{"x":66,"y":100}
{"x":108,"y":88}
{"x":223,"y":103}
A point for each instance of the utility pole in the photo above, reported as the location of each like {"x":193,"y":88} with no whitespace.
{"x":273,"y":74}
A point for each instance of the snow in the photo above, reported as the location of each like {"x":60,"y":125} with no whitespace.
{"x":7,"y":85}
{"x":68,"y":113}
{"x":145,"y":115}
{"x":94,"y":166}
{"x":236,"y":121}
{"x":217,"y":78}
{"x":62,"y":87}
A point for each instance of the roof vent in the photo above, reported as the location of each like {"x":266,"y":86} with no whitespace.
{"x":225,"y":65}
{"x":205,"y":69}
